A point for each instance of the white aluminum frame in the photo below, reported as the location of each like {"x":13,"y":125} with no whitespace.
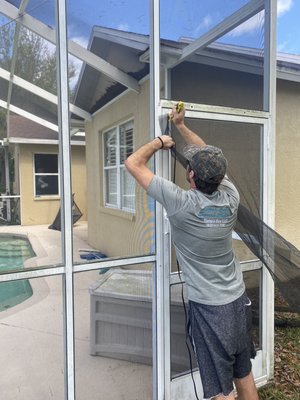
{"x":158,"y":272}
{"x":182,"y":387}
{"x":183,"y":383}
{"x":162,"y":387}
{"x":66,"y":195}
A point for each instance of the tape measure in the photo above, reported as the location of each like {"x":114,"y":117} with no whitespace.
{"x":179,"y":107}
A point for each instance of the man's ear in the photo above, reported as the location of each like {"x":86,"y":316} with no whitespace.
{"x":191,"y":174}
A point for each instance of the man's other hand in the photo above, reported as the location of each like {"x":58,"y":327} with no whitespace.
{"x":167,"y":141}
{"x":178,"y":117}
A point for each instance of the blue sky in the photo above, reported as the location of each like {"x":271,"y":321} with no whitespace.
{"x":288,"y":26}
{"x":188,"y":18}
{"x":179,"y":18}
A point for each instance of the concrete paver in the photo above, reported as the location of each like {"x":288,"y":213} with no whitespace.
{"x":31,"y":336}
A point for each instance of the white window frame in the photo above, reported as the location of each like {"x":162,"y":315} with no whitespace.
{"x":118,"y":167}
{"x":45,"y":173}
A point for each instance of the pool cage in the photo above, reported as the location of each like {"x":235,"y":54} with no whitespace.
{"x":81,"y":85}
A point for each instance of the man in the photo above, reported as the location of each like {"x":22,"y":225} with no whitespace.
{"x":201,"y":220}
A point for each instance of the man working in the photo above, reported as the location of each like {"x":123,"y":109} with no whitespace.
{"x":202,"y":219}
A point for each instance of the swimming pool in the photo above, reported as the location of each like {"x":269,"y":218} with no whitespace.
{"x":14,"y":250}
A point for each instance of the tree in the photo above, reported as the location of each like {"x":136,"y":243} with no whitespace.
{"x":35,"y":60}
{"x":36,"y":63}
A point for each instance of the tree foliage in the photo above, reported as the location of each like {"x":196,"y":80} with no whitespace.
{"x":35,"y":62}
{"x":35,"y":57}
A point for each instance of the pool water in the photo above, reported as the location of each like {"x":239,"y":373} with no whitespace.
{"x":14,"y":250}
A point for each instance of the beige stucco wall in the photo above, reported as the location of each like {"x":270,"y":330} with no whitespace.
{"x":116,"y":232}
{"x":37,"y":211}
{"x":287,"y":217}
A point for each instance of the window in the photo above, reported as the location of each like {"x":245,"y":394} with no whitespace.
{"x":46,"y":175}
{"x":119,"y":184}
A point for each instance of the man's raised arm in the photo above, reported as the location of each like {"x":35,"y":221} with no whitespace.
{"x":189,"y":136}
{"x":136,"y":163}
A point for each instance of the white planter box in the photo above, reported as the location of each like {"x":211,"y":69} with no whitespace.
{"x":121,"y":319}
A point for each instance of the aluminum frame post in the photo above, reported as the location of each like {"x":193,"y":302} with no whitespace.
{"x":66,"y":195}
{"x":158,"y":272}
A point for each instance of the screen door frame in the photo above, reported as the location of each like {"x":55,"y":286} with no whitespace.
{"x":181,"y":387}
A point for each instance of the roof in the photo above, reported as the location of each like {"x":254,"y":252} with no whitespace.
{"x":129,"y":52}
{"x":23,"y":130}
{"x":121,"y":49}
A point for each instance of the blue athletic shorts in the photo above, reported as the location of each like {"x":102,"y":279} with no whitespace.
{"x":221,"y":336}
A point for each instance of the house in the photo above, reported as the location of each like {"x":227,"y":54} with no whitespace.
{"x":120,"y":214}
{"x":36,"y":170}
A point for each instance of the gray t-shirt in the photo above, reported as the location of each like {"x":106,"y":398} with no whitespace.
{"x":201,"y":227}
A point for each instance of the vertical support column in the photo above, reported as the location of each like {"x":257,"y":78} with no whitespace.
{"x":66,"y":195}
{"x":7,"y":183}
{"x":167,"y":264}
{"x":7,"y":172}
{"x":158,"y":273}
{"x":269,"y":103}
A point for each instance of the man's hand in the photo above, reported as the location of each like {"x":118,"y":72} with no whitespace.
{"x":136,"y":162}
{"x":187,"y":134}
{"x":178,"y":117}
{"x":167,"y":141}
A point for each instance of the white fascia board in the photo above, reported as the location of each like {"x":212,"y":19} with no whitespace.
{"x":289,"y":58}
{"x":237,"y":18}
{"x":41,"y":93}
{"x":75,"y":49}
{"x":287,"y":75}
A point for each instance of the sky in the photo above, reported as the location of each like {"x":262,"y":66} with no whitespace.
{"x":288,"y":26}
{"x":179,"y":18}
{"x":185,"y":18}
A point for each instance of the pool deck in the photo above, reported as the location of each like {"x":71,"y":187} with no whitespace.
{"x":31,"y":335}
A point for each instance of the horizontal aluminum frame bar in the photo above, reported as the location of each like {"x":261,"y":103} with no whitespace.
{"x":10,"y":197}
{"x":59,"y":270}
{"x":28,"y":115}
{"x":232,"y":113}
{"x":251,"y":265}
{"x":41,"y":93}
